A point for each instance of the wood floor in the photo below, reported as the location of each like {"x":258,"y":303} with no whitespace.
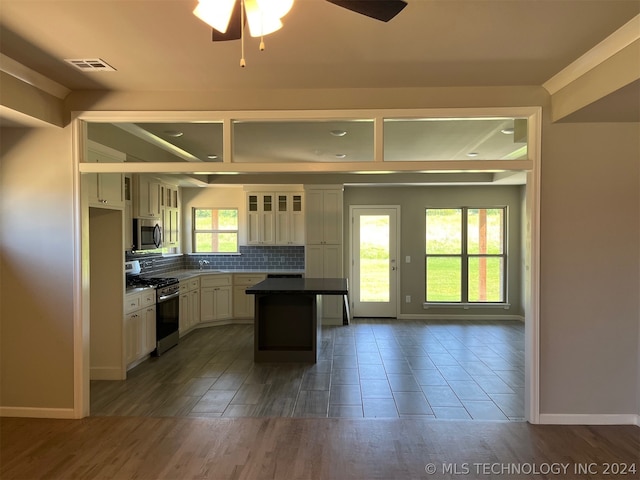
{"x":309,"y":448}
{"x":168,"y":421}
{"x":370,"y":369}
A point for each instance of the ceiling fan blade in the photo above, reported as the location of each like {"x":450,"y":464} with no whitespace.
{"x":383,"y":10}
{"x":233,"y":31}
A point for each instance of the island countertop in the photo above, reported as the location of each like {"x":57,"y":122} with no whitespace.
{"x":302,"y":286}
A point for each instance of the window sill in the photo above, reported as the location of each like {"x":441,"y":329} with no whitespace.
{"x":465,"y":306}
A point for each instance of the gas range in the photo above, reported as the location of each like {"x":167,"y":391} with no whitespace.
{"x":154,"y":282}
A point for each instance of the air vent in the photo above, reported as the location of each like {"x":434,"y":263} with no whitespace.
{"x":90,"y":64}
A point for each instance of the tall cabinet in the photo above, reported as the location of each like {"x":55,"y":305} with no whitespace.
{"x":323,"y":252}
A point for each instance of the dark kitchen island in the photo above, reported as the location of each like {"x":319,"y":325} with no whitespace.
{"x":288,"y":313}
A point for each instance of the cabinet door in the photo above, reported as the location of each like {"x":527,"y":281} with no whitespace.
{"x":332,"y":216}
{"x":148,"y":197}
{"x":314,"y":261}
{"x":296,"y":222}
{"x":314,"y":215}
{"x":242,"y":303}
{"x":207,"y":304}
{"x":283,"y":227}
{"x":130,"y":337}
{"x":194,"y":299}
{"x":185,"y":313}
{"x":149,"y":330}
{"x":261,"y":219}
{"x":223,"y":303}
{"x":111,"y":189}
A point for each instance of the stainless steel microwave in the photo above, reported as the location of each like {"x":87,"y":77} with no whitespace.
{"x":147,"y":234}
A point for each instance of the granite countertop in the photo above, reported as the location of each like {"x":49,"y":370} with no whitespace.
{"x":302,"y":286}
{"x":135,"y":290}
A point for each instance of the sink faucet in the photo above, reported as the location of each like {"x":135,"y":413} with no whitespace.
{"x":203,"y":262}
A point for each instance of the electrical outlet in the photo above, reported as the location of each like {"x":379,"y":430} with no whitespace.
{"x":407,"y":259}
{"x":407,"y":299}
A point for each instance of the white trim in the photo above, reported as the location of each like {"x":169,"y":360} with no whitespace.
{"x":533,"y":113}
{"x":11,"y":67}
{"x":614,"y":43}
{"x":35,"y":412}
{"x":398,"y":241}
{"x":450,"y":317}
{"x":589,"y":419}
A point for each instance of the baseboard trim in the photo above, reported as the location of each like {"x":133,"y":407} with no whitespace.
{"x":31,"y":412}
{"x":589,"y":419}
{"x":453,"y":317}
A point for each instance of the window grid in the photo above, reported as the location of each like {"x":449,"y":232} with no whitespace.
{"x":464,"y":261}
{"x":221,"y":233}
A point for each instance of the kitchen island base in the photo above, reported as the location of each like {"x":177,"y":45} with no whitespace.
{"x":286,"y":328}
{"x":288,"y":313}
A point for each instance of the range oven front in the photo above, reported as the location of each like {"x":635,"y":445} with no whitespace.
{"x":167,"y":317}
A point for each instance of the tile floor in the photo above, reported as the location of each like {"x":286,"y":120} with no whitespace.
{"x":372,"y":368}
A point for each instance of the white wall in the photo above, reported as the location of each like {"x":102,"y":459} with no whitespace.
{"x":36,"y":274}
{"x":589,"y":269}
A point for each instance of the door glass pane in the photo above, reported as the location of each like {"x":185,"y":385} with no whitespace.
{"x":443,"y":279}
{"x":374,"y":258}
{"x":485,"y":279}
{"x":485,"y":231}
{"x":444,"y":231}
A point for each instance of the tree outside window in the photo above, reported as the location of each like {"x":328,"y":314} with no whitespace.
{"x":215,"y":230}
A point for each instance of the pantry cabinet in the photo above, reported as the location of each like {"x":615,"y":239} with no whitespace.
{"x":105,"y":190}
{"x":324,"y":249}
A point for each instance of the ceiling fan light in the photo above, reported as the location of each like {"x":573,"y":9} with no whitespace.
{"x":260,"y":23}
{"x":216,"y":13}
{"x":275,"y":8}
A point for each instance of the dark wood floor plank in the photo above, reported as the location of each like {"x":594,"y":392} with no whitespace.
{"x":293,"y":448}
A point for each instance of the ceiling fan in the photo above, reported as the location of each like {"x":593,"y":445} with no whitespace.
{"x":383,"y":10}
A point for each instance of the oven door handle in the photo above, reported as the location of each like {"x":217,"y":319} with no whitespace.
{"x":168,"y":297}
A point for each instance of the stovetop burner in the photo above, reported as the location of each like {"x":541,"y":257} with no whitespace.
{"x":157,"y":282}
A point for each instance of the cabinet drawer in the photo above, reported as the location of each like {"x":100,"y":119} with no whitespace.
{"x":184,"y":286}
{"x":131,"y":303}
{"x":215,"y":280}
{"x":248,"y":280}
{"x":148,"y":298}
{"x":194,"y":284}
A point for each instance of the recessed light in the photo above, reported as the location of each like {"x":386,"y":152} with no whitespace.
{"x":173,"y":133}
{"x":212,"y":156}
{"x":472,"y":154}
{"x":340,"y":155}
{"x":507,"y":131}
{"x":338,"y":133}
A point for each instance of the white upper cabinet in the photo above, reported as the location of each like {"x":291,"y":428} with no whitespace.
{"x":289,"y":218}
{"x":324,"y":217}
{"x":106,"y":190}
{"x":147,"y":197}
{"x":261,"y":220}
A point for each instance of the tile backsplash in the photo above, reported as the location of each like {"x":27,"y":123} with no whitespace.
{"x":250,"y":258}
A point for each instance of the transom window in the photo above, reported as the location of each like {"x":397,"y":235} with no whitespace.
{"x":215,"y":230}
{"x":465,"y":255}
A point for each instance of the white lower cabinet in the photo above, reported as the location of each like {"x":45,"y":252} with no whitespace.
{"x":139,"y":326}
{"x":189,"y":305}
{"x":216,"y":299}
{"x":243,"y":304}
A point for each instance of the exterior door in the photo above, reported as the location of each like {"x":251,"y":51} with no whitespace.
{"x":374,"y":265}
